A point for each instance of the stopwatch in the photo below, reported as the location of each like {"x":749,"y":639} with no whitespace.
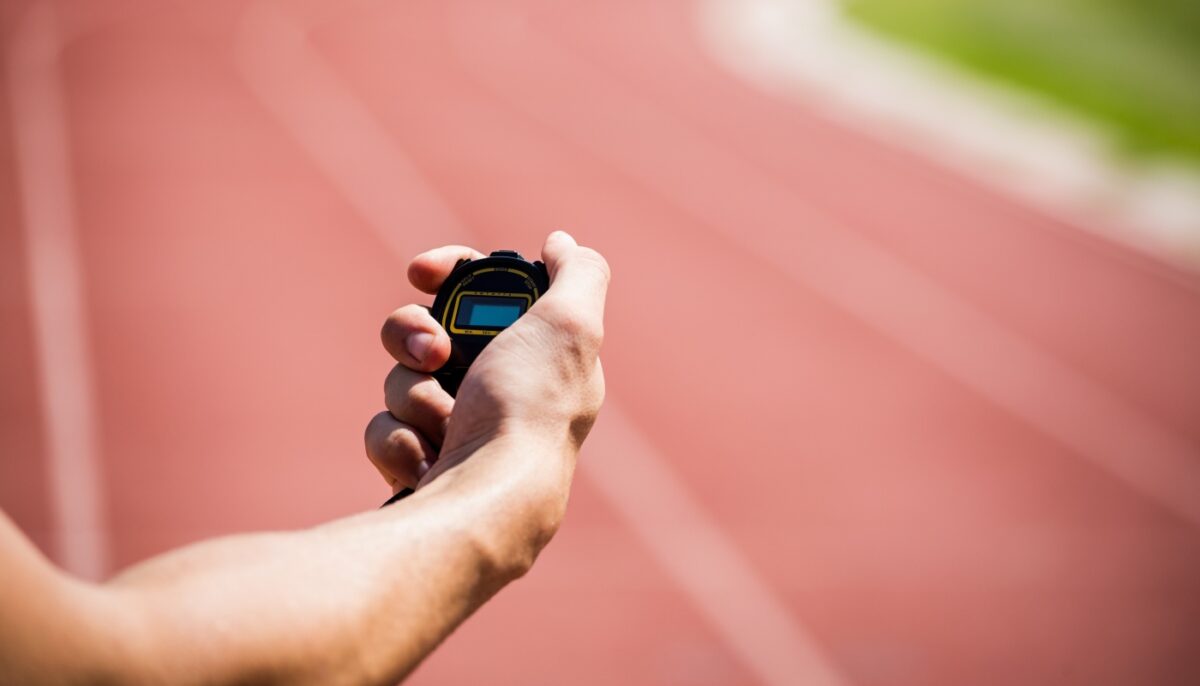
{"x":479,"y":299}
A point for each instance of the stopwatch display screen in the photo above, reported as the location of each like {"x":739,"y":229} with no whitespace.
{"x":488,"y":311}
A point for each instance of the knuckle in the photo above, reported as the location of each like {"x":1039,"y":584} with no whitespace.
{"x":551,"y":308}
{"x":404,"y":319}
{"x":404,"y":394}
{"x":394,"y":323}
{"x":575,"y":323}
{"x":427,"y":406}
{"x":403,"y":445}
{"x":395,"y":448}
{"x":393,"y":333}
{"x":376,"y":428}
{"x":396,"y":380}
{"x":585,"y":328}
{"x":422,"y":396}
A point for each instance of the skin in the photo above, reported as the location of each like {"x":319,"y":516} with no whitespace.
{"x":360,"y":600}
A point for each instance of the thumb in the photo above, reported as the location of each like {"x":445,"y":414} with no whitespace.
{"x":579,"y":276}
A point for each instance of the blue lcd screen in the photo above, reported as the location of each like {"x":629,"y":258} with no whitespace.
{"x":488,"y":311}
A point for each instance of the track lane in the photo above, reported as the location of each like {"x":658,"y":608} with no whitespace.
{"x":272,"y":49}
{"x":209,"y":461}
{"x":1083,"y":298}
{"x":505,"y":178}
{"x":24,"y":485}
{"x":226,"y":306}
{"x":1010,"y":526}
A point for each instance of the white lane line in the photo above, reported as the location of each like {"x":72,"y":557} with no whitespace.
{"x":64,"y":366}
{"x":705,"y":563}
{"x":639,"y":483}
{"x":817,"y":252}
{"x":1009,"y":139}
{"x":338,"y":132}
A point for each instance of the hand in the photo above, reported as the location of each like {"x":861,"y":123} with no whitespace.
{"x":537,"y":385}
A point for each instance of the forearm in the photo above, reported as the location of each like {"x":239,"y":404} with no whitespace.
{"x":340,"y":606}
{"x":361,"y":600}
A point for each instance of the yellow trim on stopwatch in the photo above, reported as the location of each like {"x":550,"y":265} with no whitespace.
{"x":450,"y":315}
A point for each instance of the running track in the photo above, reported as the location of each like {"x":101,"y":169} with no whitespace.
{"x":869,"y":423}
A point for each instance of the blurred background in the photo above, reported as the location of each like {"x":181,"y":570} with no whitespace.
{"x":1130,"y":65}
{"x":872,"y":419}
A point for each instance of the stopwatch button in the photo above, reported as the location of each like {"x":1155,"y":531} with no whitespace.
{"x":507,"y":253}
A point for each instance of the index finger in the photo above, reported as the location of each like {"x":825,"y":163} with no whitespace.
{"x":428,"y":270}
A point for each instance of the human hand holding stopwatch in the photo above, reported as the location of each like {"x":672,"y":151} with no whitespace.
{"x":534,"y":384}
{"x":366,"y":597}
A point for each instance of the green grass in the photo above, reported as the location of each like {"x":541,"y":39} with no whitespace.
{"x":1132,"y":66}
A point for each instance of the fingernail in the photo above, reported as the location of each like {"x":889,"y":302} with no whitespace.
{"x":419,"y":345}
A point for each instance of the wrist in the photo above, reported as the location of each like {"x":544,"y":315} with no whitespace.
{"x":513,"y":489}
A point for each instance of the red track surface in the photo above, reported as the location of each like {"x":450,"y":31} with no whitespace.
{"x":810,"y":328}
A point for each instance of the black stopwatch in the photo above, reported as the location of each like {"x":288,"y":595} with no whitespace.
{"x":479,"y":299}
